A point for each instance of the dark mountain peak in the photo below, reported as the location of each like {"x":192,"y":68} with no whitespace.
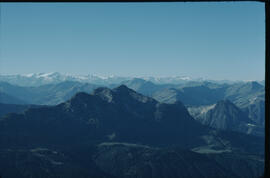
{"x":142,"y":86}
{"x":120,"y":94}
{"x":123,"y":89}
{"x":104,"y":93}
{"x":125,"y":93}
{"x":79,"y":97}
{"x":101,"y":90}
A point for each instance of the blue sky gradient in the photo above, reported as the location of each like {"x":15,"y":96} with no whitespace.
{"x":210,"y":40}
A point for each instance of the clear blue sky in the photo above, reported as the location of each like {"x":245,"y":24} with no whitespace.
{"x":211,"y":40}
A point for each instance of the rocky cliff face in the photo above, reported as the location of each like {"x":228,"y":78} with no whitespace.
{"x":224,"y":115}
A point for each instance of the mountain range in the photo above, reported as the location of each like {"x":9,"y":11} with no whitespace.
{"x":108,"y":112}
{"x":121,"y":133}
{"x":54,"y":125}
{"x":248,"y":96}
{"x":37,"y":79}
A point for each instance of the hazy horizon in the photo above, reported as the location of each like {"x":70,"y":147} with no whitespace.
{"x":185,"y":77}
{"x":217,"y":41}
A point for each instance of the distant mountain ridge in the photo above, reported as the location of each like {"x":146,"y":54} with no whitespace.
{"x":37,"y":79}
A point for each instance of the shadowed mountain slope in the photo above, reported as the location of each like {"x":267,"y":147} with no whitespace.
{"x":14,"y":108}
